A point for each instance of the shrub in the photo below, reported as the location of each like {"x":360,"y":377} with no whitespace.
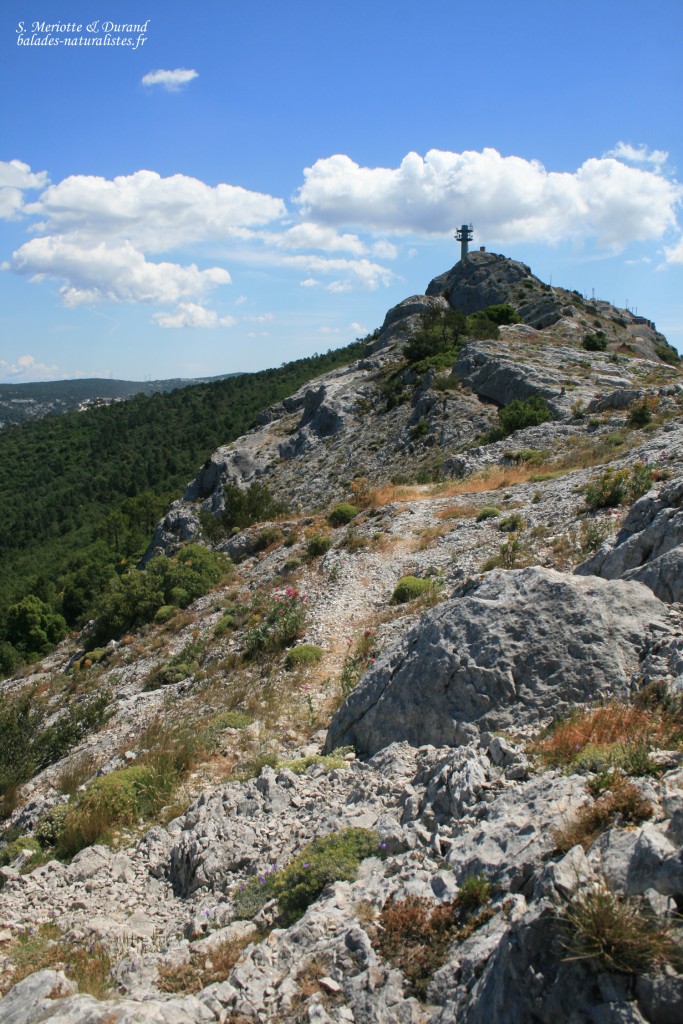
{"x":10,"y":659}
{"x":640,"y":415}
{"x":519,"y":414}
{"x":331,"y":858}
{"x":509,"y":556}
{"x":342,"y":514}
{"x":304,"y":654}
{"x":135,"y":598}
{"x":409,"y":588}
{"x":266,"y":537}
{"x":277,"y":618}
{"x":479,"y":326}
{"x":32,"y":627}
{"x":420,"y":429}
{"x":624,"y":804}
{"x":415,"y":936}
{"x":330,"y":762}
{"x":165,"y":613}
{"x":488,"y":512}
{"x":502,"y":313}
{"x":28,"y":744}
{"x":11,"y":851}
{"x":619,"y":934}
{"x":614,"y":735}
{"x":244,"y":507}
{"x":318,"y":545}
{"x":440,"y":334}
{"x":667,"y":353}
{"x":357,"y":661}
{"x":36,"y":949}
{"x":353,"y":541}
{"x":474,"y":892}
{"x":616,"y":487}
{"x":229,"y":720}
{"x":596,"y":342}
{"x":202,"y":969}
{"x":512,"y":523}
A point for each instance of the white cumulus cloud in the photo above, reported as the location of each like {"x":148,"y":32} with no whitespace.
{"x":509,"y":199}
{"x":154,"y":213}
{"x":28,"y":368}
{"x":189,"y":314}
{"x":674,"y":253}
{"x":638,"y":154}
{"x":15,"y":179}
{"x":171,"y":81}
{"x":319,"y":236}
{"x":105,"y":273}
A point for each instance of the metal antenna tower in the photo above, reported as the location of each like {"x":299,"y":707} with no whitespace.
{"x":464,"y":235}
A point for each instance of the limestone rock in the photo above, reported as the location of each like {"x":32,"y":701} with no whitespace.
{"x":507,"y":649}
{"x":487,"y":278}
{"x":649,"y":546}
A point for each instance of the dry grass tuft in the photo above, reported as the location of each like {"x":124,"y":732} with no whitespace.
{"x":202,"y":969}
{"x":620,"y":935}
{"x":616,"y":734}
{"x":624,"y":804}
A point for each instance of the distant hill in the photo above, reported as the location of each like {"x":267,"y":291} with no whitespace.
{"x":22,"y":402}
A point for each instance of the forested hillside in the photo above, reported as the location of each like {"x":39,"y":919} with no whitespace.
{"x":80,"y":493}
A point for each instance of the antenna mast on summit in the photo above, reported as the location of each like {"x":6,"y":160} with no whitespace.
{"x":464,"y":235}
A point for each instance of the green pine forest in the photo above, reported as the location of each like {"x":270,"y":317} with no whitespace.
{"x":81,"y":493}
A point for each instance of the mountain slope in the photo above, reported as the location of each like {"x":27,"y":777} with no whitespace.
{"x":478,"y":857}
{"x":22,"y":402}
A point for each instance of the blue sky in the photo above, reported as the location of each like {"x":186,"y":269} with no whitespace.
{"x":240,"y":185}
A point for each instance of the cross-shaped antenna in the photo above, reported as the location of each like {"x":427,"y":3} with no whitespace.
{"x":464,"y":235}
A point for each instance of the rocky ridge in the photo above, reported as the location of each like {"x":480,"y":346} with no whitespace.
{"x":442,"y":722}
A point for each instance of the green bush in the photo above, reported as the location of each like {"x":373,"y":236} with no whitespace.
{"x":409,"y":588}
{"x":135,"y":598}
{"x":304,"y":654}
{"x":165,"y":613}
{"x":668,"y":354}
{"x":341,"y":515}
{"x":332,"y":858}
{"x":12,"y":850}
{"x":474,"y":892}
{"x":640,"y":414}
{"x":479,"y":326}
{"x":488,"y":512}
{"x":512,"y":523}
{"x":28,"y":744}
{"x":266,"y":537}
{"x":277,"y":618}
{"x":318,"y":545}
{"x":617,"y":487}
{"x":596,"y":342}
{"x":440,"y":334}
{"x":32,"y":627}
{"x":243,"y":507}
{"x":10,"y":659}
{"x":529,"y":412}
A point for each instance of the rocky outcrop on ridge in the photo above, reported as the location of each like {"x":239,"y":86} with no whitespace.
{"x":496,"y":655}
{"x":485,"y":279}
{"x":649,"y":546}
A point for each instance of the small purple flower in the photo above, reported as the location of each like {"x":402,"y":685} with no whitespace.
{"x":306,"y":864}
{"x":382,"y":846}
